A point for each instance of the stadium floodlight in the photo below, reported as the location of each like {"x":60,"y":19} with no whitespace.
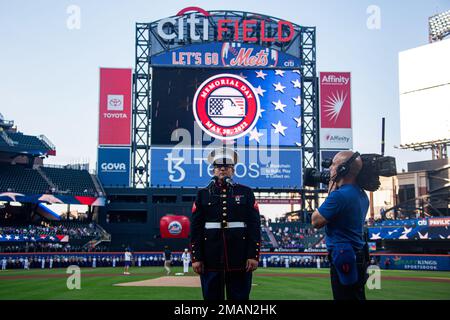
{"x":439,"y":26}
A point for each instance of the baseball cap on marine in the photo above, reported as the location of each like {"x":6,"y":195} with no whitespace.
{"x":223,"y":156}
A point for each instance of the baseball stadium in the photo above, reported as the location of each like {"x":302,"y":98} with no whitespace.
{"x":203,"y":79}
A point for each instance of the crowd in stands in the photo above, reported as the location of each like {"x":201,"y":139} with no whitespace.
{"x":391,"y":216}
{"x":75,"y":230}
{"x":42,"y":247}
{"x":393,"y":223}
{"x":295,"y":235}
{"x":297,"y":261}
{"x":79,"y":234}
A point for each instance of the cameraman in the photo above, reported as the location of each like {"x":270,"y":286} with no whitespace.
{"x":343,"y":214}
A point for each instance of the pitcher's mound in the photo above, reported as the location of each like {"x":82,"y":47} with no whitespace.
{"x":188,"y":281}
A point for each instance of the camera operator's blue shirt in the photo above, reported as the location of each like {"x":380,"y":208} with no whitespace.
{"x":345,"y":210}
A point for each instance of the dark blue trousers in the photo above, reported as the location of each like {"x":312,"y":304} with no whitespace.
{"x":350,"y":292}
{"x":236,"y":284}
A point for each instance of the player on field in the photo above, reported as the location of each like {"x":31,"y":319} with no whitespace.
{"x":127,"y":258}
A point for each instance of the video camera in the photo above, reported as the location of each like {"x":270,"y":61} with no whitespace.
{"x":374,"y":166}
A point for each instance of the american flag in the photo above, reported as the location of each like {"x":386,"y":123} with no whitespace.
{"x":216,"y":106}
{"x":279,"y":94}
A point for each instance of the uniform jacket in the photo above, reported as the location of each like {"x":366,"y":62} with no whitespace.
{"x":225,"y":248}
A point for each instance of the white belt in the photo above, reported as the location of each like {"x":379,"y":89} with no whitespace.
{"x":218,"y":225}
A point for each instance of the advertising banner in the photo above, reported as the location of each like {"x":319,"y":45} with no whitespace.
{"x":415,"y":262}
{"x":335,"y":111}
{"x":256,"y":168}
{"x":439,"y":222}
{"x":114,"y":167}
{"x":193,"y":25}
{"x":279,"y":201}
{"x":420,"y":229}
{"x":115,"y":107}
{"x":424,"y":88}
{"x":273,"y":259}
{"x":226,"y":54}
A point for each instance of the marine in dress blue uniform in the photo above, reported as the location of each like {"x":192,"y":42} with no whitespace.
{"x":226,"y":233}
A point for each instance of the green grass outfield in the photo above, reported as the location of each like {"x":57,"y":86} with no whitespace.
{"x":269,"y":284}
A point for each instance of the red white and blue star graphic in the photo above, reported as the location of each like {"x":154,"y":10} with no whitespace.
{"x":279,"y":94}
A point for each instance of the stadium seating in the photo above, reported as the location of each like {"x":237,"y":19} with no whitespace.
{"x":73,"y":181}
{"x":265,"y":239}
{"x":17,"y":178}
{"x":20,"y":179}
{"x":73,"y":229}
{"x":25,"y":141}
{"x":3,"y":140}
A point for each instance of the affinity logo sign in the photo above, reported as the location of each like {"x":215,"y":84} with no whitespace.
{"x":333,"y":105}
{"x":226,"y":106}
{"x":335,"y":79}
{"x":335,"y":111}
{"x":337,"y":138}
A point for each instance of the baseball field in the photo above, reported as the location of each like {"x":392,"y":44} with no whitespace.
{"x":152,"y":283}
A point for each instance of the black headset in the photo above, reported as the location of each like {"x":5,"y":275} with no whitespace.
{"x":343,"y":169}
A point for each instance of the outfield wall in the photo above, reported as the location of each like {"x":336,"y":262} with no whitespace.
{"x":423,"y":262}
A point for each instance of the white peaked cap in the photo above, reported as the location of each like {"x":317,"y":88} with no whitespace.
{"x":223,"y":156}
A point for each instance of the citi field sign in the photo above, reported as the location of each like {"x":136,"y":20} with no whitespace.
{"x":196,"y":37}
{"x":240,"y":28}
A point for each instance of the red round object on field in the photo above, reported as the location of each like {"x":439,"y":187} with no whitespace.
{"x":172,"y":226}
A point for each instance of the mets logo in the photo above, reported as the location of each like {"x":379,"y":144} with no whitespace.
{"x":226,"y":106}
{"x":174,"y":228}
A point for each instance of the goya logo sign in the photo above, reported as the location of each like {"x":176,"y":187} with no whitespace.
{"x":226,"y":106}
{"x":114,"y":166}
{"x":192,"y":24}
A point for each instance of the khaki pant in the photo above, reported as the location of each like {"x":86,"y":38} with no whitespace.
{"x":167,"y":265}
